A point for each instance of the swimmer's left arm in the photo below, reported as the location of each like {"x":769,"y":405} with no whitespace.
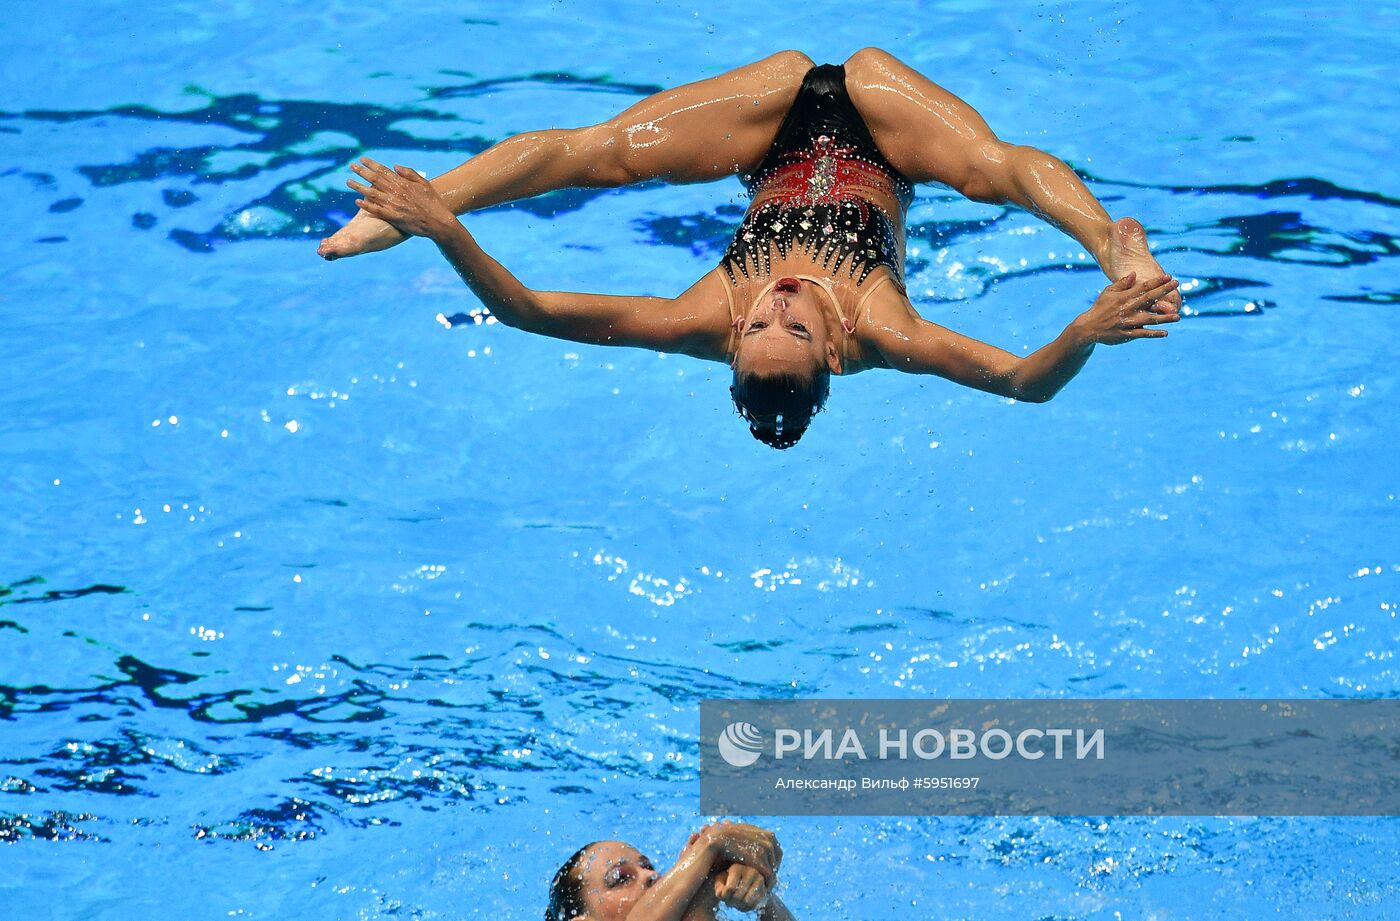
{"x":907,"y":342}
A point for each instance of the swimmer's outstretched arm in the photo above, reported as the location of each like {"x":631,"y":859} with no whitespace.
{"x":694,"y":323}
{"x":1121,"y":313}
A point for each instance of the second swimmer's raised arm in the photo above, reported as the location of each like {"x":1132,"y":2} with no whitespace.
{"x":684,"y":324}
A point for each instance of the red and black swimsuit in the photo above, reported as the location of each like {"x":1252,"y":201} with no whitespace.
{"x":820,"y":161}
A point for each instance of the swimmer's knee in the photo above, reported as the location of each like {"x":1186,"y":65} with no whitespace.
{"x":870,"y":57}
{"x":990,"y":173}
{"x":786,"y":68}
{"x":790,"y":60}
{"x":600,"y":155}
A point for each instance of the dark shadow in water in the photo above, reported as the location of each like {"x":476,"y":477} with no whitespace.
{"x":148,"y":683}
{"x":282,"y":135}
{"x":6,"y":591}
{"x":1304,"y":187}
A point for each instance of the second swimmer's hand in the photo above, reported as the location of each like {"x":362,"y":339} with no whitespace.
{"x":1125,"y":310}
{"x":741,"y":887}
{"x":401,"y":197}
{"x":746,"y":844}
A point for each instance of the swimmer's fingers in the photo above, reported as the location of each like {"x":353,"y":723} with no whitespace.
{"x":1153,"y":291}
{"x":1152,"y":313}
{"x":373,"y":210}
{"x":377,"y":205}
{"x":1147,"y":317}
{"x":373,"y":165}
{"x":1131,"y":295}
{"x":769,"y":868}
{"x":756,"y":894}
{"x":750,"y":895}
{"x":374,"y":176}
{"x":412,"y":175}
{"x":374,"y":197}
{"x":760,"y":860}
{"x":742,"y":887}
{"x":731,"y":882}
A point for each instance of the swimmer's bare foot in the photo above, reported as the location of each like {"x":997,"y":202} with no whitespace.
{"x":364,"y":234}
{"x":1128,"y":252}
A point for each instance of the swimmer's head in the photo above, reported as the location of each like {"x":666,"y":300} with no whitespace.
{"x":783,"y":362}
{"x":779,"y":408}
{"x":600,"y":882}
{"x":785,"y":332}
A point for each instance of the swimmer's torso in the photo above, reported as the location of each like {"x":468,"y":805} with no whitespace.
{"x":826,"y":205}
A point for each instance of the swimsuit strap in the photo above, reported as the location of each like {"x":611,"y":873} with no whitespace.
{"x":825,"y":285}
{"x":730,"y":345}
{"x":860,"y":304}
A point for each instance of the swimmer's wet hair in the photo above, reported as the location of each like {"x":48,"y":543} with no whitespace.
{"x":779,"y":408}
{"x":566,"y":889}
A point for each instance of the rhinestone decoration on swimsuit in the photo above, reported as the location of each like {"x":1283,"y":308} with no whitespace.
{"x":823,"y":164}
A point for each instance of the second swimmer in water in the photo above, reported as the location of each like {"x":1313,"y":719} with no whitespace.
{"x":812,"y":284}
{"x":728,"y":863}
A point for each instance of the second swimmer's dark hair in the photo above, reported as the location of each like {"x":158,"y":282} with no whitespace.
{"x":779,"y":408}
{"x":566,"y":889}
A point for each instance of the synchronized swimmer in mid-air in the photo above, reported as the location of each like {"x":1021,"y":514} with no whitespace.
{"x":811,"y":284}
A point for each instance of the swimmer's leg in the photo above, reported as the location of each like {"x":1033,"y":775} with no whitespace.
{"x":695,"y":133}
{"x":930,"y":135}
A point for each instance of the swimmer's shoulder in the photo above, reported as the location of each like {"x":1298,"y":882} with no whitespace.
{"x":704,"y":314}
{"x":881,"y":309}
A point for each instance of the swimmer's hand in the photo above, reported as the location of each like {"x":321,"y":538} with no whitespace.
{"x":1126,"y":308}
{"x":741,"y":843}
{"x":403,"y":198}
{"x":741,"y":887}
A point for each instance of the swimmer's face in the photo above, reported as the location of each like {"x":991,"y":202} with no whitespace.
{"x":785,"y":332}
{"x":614,"y":876}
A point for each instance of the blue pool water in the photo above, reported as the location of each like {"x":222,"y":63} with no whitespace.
{"x":315,"y":605}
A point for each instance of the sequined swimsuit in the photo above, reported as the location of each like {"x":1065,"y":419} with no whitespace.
{"x":812,"y":178}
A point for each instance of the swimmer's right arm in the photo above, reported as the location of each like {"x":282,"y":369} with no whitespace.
{"x":686,"y":324}
{"x":905,"y":341}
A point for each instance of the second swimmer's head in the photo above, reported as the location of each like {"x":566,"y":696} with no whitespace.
{"x":601,"y":882}
{"x":783,"y":362}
